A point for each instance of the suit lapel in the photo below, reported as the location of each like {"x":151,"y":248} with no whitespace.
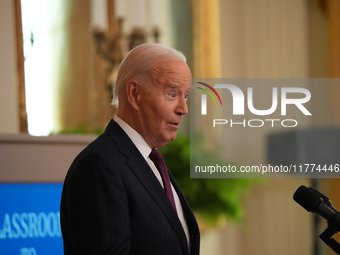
{"x":190,"y":218}
{"x":143,"y":172}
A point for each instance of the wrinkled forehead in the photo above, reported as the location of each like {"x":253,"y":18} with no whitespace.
{"x":171,"y":72}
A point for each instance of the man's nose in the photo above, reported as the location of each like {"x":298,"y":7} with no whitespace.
{"x":182,"y":107}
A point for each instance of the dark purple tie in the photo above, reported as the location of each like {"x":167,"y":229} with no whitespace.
{"x":157,"y":159}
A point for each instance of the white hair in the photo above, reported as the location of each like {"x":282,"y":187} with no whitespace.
{"x":139,"y":63}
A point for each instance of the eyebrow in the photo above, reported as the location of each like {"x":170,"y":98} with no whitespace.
{"x":172,"y":85}
{"x":175,"y":86}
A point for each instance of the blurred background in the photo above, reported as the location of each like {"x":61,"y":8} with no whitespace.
{"x":59,"y":58}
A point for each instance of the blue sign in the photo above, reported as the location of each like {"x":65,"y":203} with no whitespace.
{"x":30,"y":219}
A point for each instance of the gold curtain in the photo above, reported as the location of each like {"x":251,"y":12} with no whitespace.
{"x":206,"y":39}
{"x":207,"y":49}
{"x":333,"y":16}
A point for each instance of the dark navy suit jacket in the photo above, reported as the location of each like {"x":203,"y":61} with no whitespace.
{"x":112,"y":203}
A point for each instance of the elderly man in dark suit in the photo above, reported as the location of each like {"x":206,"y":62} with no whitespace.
{"x":118,"y":196}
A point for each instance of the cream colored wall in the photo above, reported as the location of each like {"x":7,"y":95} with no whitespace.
{"x":9,"y":115}
{"x":25,"y":158}
{"x":273,"y":224}
{"x":264,"y":39}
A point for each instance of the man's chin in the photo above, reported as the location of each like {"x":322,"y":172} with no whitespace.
{"x":173,"y":136}
{"x":169,"y":139}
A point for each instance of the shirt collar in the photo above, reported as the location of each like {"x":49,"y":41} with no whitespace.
{"x":136,"y":138}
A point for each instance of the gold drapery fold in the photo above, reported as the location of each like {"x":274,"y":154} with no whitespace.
{"x":333,"y":16}
{"x":207,"y":50}
{"x":206,"y":39}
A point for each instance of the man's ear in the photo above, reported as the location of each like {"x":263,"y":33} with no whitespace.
{"x":133,"y":93}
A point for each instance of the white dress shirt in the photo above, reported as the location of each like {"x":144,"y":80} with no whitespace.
{"x":145,"y":150}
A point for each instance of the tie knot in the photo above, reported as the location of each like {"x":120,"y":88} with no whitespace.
{"x":155,"y":155}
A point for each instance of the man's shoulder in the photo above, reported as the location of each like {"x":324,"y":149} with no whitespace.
{"x":100,"y":156}
{"x":106,"y":145}
{"x":102,"y":144}
{"x":109,"y":140}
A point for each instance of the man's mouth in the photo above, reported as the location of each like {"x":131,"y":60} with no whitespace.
{"x":174,"y":124}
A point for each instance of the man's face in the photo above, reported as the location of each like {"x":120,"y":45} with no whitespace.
{"x":163,"y":104}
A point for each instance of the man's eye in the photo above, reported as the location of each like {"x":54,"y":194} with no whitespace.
{"x":186,"y":96}
{"x":172,"y":95}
